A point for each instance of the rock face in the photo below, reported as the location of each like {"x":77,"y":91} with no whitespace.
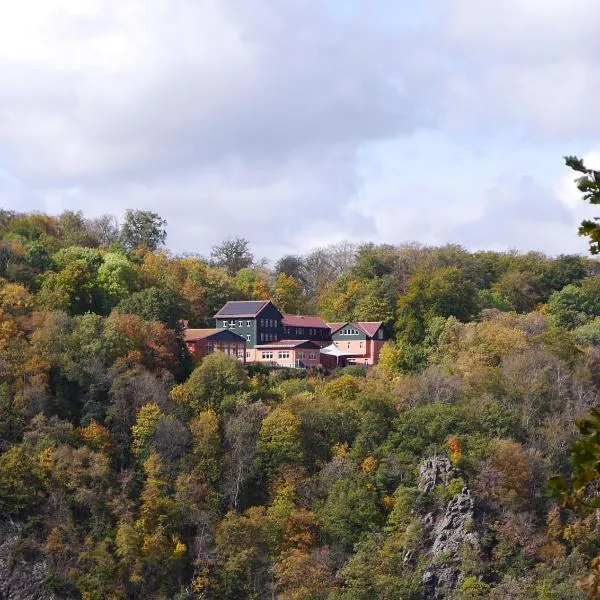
{"x":23,"y":576}
{"x":448,"y":532}
{"x":436,"y":470}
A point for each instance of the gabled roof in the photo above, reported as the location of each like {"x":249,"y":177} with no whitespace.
{"x":243,"y":308}
{"x":336,"y":326}
{"x":283,"y":344}
{"x":303,"y":321}
{"x":192,"y":335}
{"x":369,"y":327}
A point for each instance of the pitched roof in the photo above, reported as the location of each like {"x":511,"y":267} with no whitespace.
{"x":288,"y":344}
{"x":369,"y":327}
{"x":336,"y":326}
{"x":303,"y":321}
{"x":242,"y":308}
{"x":191,"y":335}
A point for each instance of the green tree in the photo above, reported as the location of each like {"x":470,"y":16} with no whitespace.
{"x":153,"y":304}
{"x":280,"y":440}
{"x":572,"y":307}
{"x":143,"y":229}
{"x":442,"y":293}
{"x":117,"y":278}
{"x":588,"y":183}
{"x":217,"y":377}
{"x":350,"y":510}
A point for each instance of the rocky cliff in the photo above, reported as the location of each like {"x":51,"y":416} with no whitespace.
{"x":449,"y":531}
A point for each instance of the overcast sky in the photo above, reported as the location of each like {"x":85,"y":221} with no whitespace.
{"x":299,"y":123}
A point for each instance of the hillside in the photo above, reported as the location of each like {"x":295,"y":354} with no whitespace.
{"x":130,"y":470}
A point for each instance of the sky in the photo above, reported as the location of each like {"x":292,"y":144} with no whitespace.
{"x":301,"y":123}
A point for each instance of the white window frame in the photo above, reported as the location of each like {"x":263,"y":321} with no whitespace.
{"x":224,"y":324}
{"x":267,"y":354}
{"x":248,"y":336}
{"x":282,"y":354}
{"x":312,"y":356}
{"x":240,"y":323}
{"x":232,"y":324}
{"x":248,"y":323}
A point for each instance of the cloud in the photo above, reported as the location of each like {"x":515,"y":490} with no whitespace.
{"x":226,"y":118}
{"x":531,"y":66}
{"x":256,"y":119}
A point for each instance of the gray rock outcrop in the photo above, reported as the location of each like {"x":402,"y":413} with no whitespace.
{"x":449,"y":532}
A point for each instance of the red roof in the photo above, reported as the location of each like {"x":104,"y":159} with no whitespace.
{"x":303,"y":321}
{"x":369,"y":327}
{"x":286,"y":344}
{"x":335,"y":326}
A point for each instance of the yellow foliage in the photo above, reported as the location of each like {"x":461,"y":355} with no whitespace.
{"x":147,"y":419}
{"x":340,"y":450}
{"x":388,"y":502}
{"x":46,"y":460}
{"x":180,"y":548}
{"x":97,"y":437}
{"x":179,"y":395}
{"x":369,"y":465}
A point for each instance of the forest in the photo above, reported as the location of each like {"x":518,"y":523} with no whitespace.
{"x":463,"y":466}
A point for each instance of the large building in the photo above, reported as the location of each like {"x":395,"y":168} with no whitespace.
{"x":299,"y":340}
{"x":201,"y":342}
{"x":359,"y":342}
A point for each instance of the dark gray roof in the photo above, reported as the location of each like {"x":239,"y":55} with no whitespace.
{"x":241,"y":308}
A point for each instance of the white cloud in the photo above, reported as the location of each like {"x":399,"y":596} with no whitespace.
{"x":237,"y":118}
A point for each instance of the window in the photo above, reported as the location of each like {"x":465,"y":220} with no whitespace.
{"x":267,"y":355}
{"x":248,"y":323}
{"x":262,"y":337}
{"x":248,"y":337}
{"x":302,"y":355}
{"x":380,"y":334}
{"x":232,"y":324}
{"x":360,"y":345}
{"x":240,"y":323}
{"x":312,"y":356}
{"x":224,"y":324}
{"x":348,"y":344}
{"x":284,"y":354}
{"x":247,"y":354}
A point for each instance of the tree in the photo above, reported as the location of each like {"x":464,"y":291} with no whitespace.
{"x":143,"y":228}
{"x":217,"y":377}
{"x":572,"y":307}
{"x":280,"y":440}
{"x":589,"y":185}
{"x":117,"y":278}
{"x":350,"y":510}
{"x":105,"y":229}
{"x":233,"y":255}
{"x":290,"y":265}
{"x":73,"y":231}
{"x":288,"y":294}
{"x":153,"y":304}
{"x":442,"y":293}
